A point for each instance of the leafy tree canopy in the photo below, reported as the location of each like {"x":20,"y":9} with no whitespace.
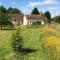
{"x":48,"y":16}
{"x":13,"y":11}
{"x":2,"y":9}
{"x":35,"y":11}
{"x":4,"y":21}
{"x":56,"y":19}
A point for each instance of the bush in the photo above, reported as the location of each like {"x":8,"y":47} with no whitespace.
{"x":36,"y":23}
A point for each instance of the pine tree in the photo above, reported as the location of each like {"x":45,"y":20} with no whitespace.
{"x":35,"y":11}
{"x":17,"y":43}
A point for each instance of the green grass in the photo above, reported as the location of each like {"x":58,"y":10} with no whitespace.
{"x":4,"y":43}
{"x":31,"y":39}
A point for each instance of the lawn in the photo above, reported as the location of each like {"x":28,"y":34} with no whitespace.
{"x":45,"y":40}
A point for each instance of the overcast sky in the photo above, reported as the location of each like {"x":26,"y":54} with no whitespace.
{"x":27,"y":5}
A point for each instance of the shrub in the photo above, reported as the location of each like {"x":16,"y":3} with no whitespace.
{"x":36,"y":23}
{"x":17,"y":42}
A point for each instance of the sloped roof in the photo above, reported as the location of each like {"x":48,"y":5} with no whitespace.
{"x":20,"y":17}
{"x":34,"y":16}
{"x":17,"y":17}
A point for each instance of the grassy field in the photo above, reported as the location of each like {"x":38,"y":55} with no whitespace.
{"x":46,"y":40}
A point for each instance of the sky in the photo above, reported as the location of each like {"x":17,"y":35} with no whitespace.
{"x":26,"y":6}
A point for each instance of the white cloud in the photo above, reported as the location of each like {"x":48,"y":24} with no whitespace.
{"x":53,"y":8}
{"x":46,"y":2}
{"x":50,"y":2}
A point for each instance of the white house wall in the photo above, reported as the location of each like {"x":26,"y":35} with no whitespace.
{"x":25,"y":21}
{"x":30,"y":21}
{"x":42,"y":22}
{"x":17,"y":22}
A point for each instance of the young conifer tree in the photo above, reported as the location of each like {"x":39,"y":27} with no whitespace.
{"x":17,"y":41}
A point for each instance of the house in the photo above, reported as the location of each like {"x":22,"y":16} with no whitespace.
{"x":27,"y":19}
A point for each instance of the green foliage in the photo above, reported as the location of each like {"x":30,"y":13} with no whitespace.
{"x":48,"y":16}
{"x":13,"y":11}
{"x":56,"y":19}
{"x":10,"y":10}
{"x":36,"y":23}
{"x":35,"y":11}
{"x":32,"y":39}
{"x":4,"y":20}
{"x":17,"y":41}
{"x":2,"y":9}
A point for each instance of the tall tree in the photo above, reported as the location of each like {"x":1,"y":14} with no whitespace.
{"x":13,"y":11}
{"x":48,"y":16}
{"x":2,"y":9}
{"x":4,"y":20}
{"x":35,"y":11}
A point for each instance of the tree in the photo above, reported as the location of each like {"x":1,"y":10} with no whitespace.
{"x":17,"y":43}
{"x":13,"y":11}
{"x":2,"y":9}
{"x":4,"y":20}
{"x":48,"y":16}
{"x":56,"y":19}
{"x":35,"y":11}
